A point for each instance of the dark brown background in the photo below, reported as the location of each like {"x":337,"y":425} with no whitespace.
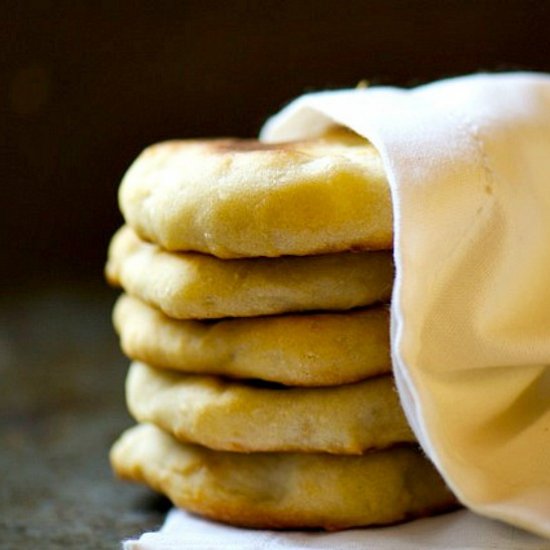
{"x":86,"y":85}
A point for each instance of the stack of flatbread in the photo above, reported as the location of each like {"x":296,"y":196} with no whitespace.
{"x":256,"y":282}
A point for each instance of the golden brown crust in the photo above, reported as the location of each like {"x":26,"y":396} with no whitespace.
{"x":197,"y":286}
{"x":239,"y":416}
{"x":284,"y":490}
{"x":320,"y":349}
{"x":244,"y":198}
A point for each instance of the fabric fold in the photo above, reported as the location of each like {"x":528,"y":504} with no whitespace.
{"x":468,"y":161}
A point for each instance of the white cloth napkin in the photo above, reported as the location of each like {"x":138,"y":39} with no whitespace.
{"x":456,"y":531}
{"x":468,"y":161}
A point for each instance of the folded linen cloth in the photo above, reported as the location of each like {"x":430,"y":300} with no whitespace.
{"x":468,"y":160}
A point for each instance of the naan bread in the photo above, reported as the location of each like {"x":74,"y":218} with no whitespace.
{"x":284,"y":490}
{"x":322,"y":349}
{"x":242,"y":198}
{"x":239,"y":416}
{"x":198,"y":286}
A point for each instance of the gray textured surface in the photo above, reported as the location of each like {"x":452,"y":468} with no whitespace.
{"x":61,"y":407}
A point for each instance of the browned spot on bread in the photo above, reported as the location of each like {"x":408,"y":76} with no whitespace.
{"x":247,"y":145}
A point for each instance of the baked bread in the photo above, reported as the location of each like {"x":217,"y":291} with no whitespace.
{"x":250,"y":417}
{"x":319,"y":349}
{"x":284,"y":490}
{"x":242,"y":198}
{"x":198,"y":286}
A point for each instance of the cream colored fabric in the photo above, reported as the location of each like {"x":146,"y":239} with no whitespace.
{"x":197,"y":286}
{"x":236,"y":416}
{"x":323,"y":349}
{"x":234,"y":198}
{"x":468,"y":161}
{"x":283,"y":489}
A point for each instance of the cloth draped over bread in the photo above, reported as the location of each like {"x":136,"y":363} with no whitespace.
{"x":468,"y":161}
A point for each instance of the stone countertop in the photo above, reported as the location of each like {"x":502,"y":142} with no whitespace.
{"x":61,"y":407}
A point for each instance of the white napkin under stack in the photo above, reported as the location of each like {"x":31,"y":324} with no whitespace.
{"x":461,"y":530}
{"x":468,"y":160}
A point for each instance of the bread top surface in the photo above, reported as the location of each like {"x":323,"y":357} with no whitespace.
{"x":243,"y":198}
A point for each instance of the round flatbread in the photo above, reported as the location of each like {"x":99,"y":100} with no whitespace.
{"x":284,"y":490}
{"x":238,"y":416}
{"x":323,"y":349}
{"x":198,"y":286}
{"x":242,"y":198}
